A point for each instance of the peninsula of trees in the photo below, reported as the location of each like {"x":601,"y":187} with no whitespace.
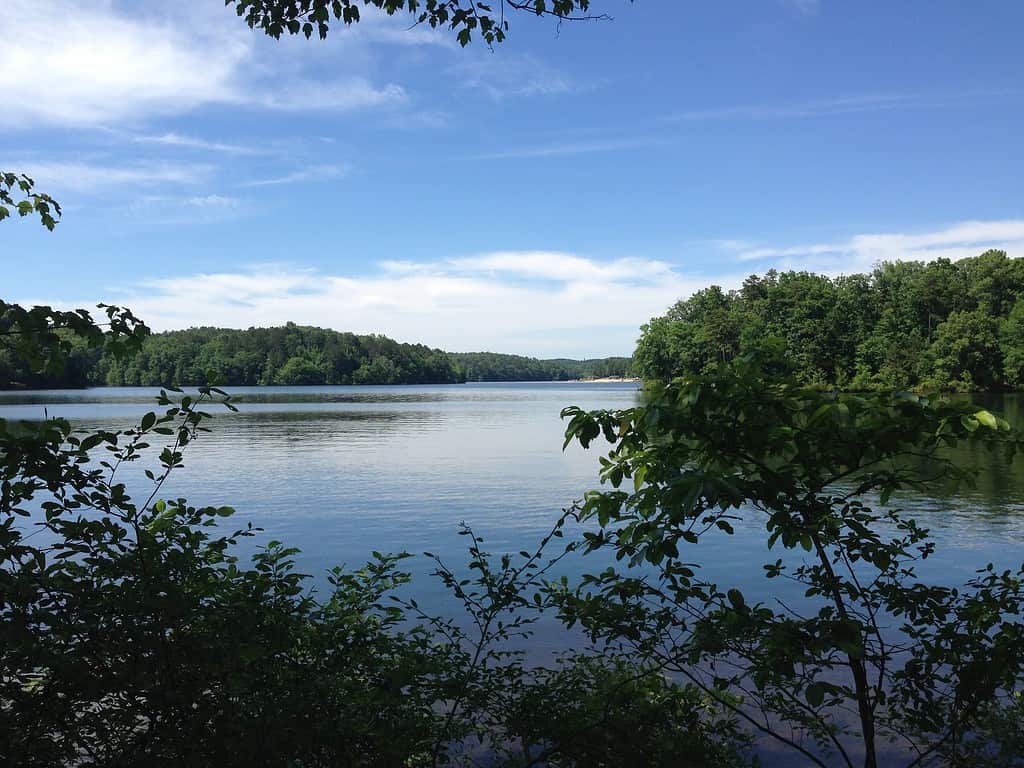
{"x":937,"y":325}
{"x":289,"y":354}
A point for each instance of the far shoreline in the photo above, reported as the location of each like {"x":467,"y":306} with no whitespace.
{"x":606,"y":380}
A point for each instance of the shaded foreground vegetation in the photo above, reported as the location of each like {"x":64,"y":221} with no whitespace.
{"x":132,"y":633}
{"x":937,"y":325}
{"x":286,"y":355}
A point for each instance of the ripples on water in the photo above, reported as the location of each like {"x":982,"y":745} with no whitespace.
{"x":342,"y":471}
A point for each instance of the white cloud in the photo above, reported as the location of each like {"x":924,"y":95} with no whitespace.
{"x":345,"y":95}
{"x":87,"y":62}
{"x":579,"y":306}
{"x":310,"y":173}
{"x":193,"y":142}
{"x":731,"y":244}
{"x":842,"y":105}
{"x":861,"y":252}
{"x":571,"y":148}
{"x":500,"y":76}
{"x":378,"y":27}
{"x":552,"y":265}
{"x":80,"y":62}
{"x":213,"y":201}
{"x":545,"y":303}
{"x":97,"y":176}
{"x":805,"y":7}
{"x":185,"y":210}
{"x":415,"y":120}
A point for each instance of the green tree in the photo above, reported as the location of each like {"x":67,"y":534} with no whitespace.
{"x":966,"y":351}
{"x":904,"y":325}
{"x":299,"y":370}
{"x":1012,"y":346}
{"x":870,"y":653}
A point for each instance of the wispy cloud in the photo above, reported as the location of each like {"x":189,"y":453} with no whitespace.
{"x":193,"y":142}
{"x":805,"y":7}
{"x":213,"y":201}
{"x":501,"y":76}
{"x":377,"y":26}
{"x":564,"y":267}
{"x":343,"y":95}
{"x":309,"y":173}
{"x":415,"y":120}
{"x":572,"y":148}
{"x":731,"y":244}
{"x":862,"y":251}
{"x":878,"y":102}
{"x":96,"y":176}
{"x":183,"y":210}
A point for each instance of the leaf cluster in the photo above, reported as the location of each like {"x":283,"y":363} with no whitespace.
{"x":42,"y":338}
{"x":17,"y":185}
{"x":463,"y":17}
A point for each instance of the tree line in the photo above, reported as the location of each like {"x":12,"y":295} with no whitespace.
{"x":492,"y":366}
{"x":286,"y":355}
{"x":953,"y":325}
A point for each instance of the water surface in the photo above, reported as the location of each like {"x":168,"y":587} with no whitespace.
{"x":342,"y":471}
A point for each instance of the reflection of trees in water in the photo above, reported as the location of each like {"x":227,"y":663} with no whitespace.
{"x":401,"y":393}
{"x":994,"y":507}
{"x":323,"y":396}
{"x":310,"y":431}
{"x":304,"y":423}
{"x":291,"y":395}
{"x":1000,"y":483}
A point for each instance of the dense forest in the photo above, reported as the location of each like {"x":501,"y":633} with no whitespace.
{"x":942,"y":324}
{"x":490,"y":366}
{"x":290,"y":354}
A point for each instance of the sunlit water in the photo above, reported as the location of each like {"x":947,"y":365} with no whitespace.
{"x":342,"y":471}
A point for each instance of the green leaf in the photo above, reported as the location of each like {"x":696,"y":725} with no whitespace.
{"x":815,"y":694}
{"x":986,"y":419}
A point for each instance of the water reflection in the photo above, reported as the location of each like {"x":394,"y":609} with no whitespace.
{"x":341,"y":471}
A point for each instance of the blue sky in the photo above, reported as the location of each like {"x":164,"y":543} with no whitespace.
{"x":545,"y":198}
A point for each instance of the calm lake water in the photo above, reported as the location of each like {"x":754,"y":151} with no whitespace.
{"x":342,"y":471}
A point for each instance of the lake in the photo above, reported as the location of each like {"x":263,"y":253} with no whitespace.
{"x":342,"y":471}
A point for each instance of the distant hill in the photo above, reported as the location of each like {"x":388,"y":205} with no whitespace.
{"x":293,"y":354}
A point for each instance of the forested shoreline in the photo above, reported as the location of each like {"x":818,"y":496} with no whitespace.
{"x":933,"y":325}
{"x":289,"y":355}
{"x":948,"y":325}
